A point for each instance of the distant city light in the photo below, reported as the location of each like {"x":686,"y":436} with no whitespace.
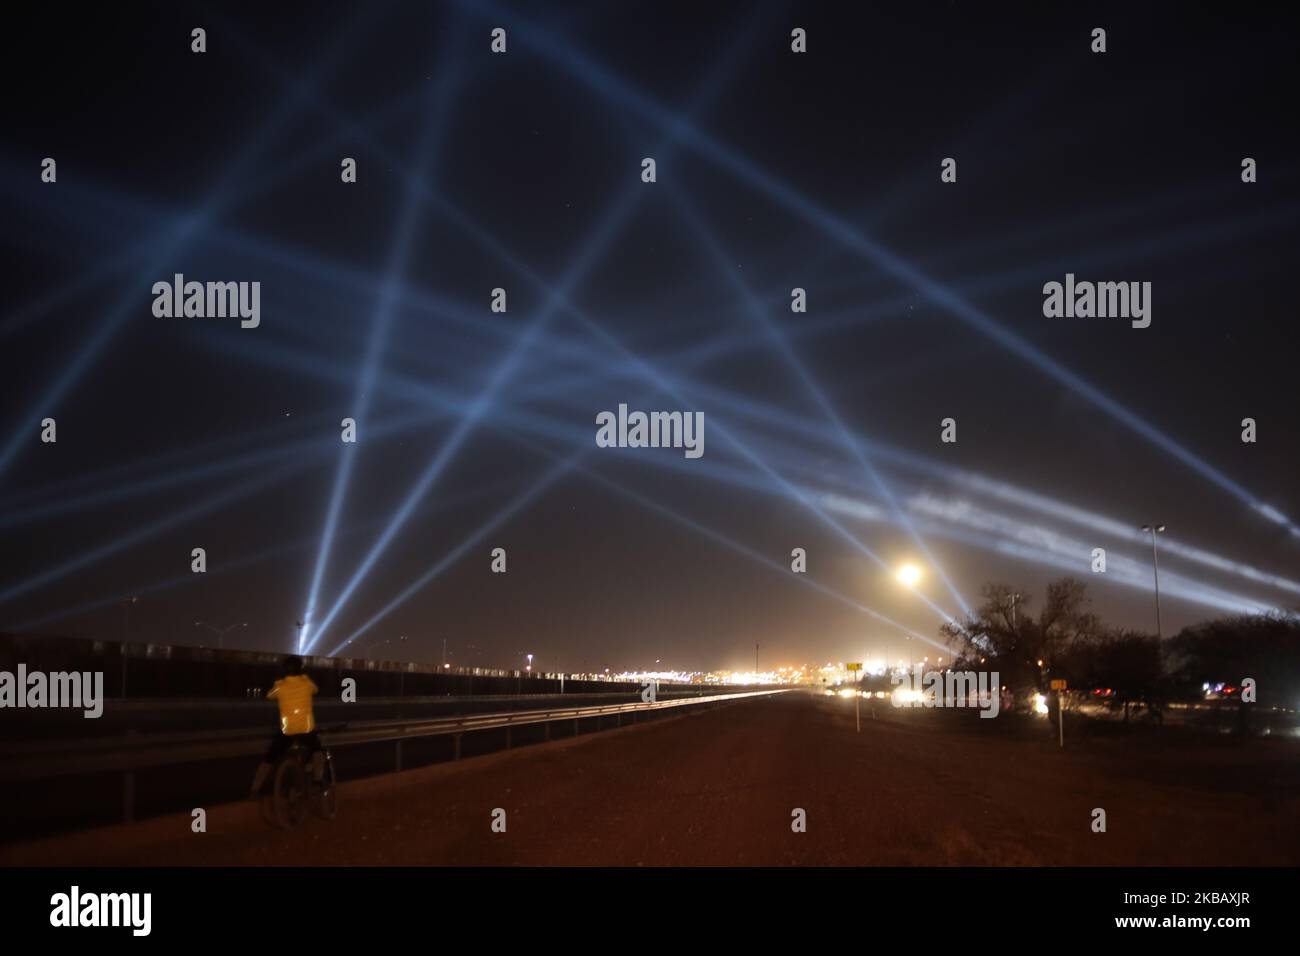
{"x":782,"y":675}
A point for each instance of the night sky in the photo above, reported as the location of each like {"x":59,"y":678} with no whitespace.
{"x":522,"y":170}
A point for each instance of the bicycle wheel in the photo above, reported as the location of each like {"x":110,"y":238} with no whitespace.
{"x":289,"y":796}
{"x":327,"y":793}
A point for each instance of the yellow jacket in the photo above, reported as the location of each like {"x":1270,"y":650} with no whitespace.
{"x":294,"y":694}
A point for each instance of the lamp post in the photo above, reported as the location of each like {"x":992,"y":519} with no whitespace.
{"x":1155,"y":570}
{"x":221,"y":632}
{"x":127,"y":604}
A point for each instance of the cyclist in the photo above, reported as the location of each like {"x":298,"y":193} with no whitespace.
{"x":293,"y":693}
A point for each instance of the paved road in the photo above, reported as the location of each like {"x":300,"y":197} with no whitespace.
{"x":200,"y":715}
{"x":719,"y":788}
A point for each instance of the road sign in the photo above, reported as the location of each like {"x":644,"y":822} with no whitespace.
{"x":853,"y":667}
{"x":1058,"y":685}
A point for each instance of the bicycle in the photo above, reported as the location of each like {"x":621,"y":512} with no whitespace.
{"x":294,"y":787}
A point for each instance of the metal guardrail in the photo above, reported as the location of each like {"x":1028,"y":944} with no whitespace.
{"x":41,"y":760}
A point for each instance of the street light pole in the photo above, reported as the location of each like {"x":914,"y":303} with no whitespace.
{"x":221,"y":632}
{"x":127,"y":604}
{"x":1155,"y":569}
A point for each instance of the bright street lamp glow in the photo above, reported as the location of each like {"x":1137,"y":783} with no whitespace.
{"x":909,"y":575}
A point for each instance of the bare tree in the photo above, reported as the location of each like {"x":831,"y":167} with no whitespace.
{"x":1006,"y":635}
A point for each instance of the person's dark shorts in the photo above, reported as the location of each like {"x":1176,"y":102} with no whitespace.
{"x":282,"y":742}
